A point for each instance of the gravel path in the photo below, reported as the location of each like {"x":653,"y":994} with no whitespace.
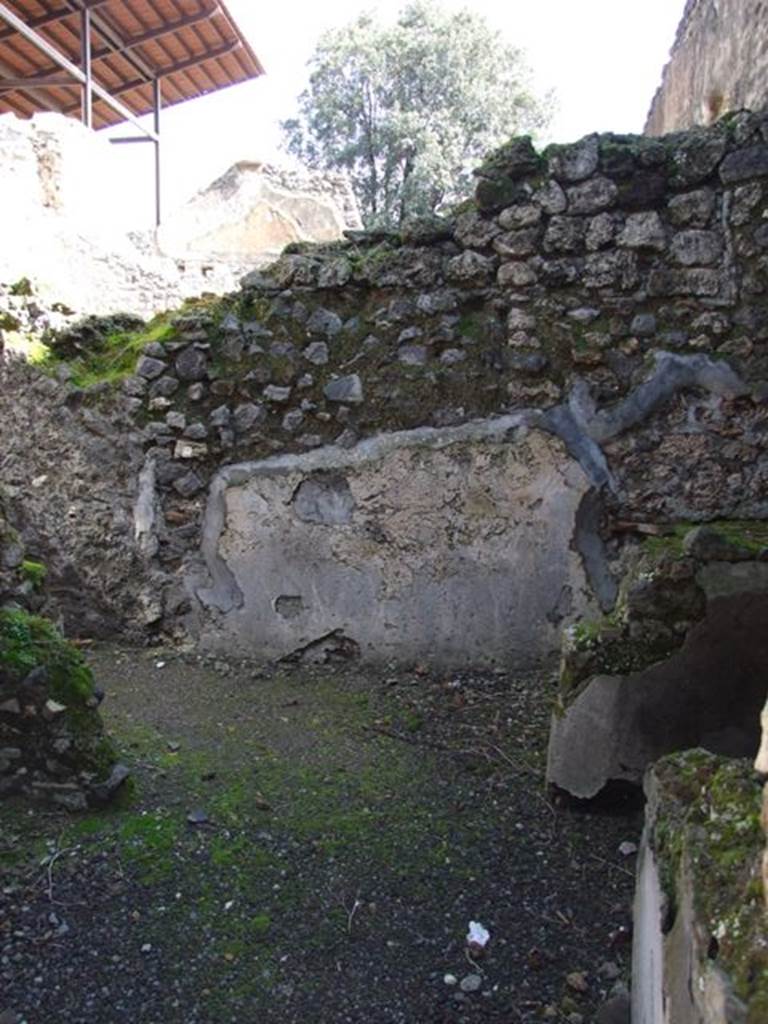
{"x":309,"y":845}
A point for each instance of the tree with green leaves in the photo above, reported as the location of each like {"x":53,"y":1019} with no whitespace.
{"x":408,"y":109}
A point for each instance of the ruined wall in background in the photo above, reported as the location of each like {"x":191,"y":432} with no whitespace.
{"x":611,"y":296}
{"x":718,"y":63}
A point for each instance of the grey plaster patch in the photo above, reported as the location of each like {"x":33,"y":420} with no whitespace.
{"x":449,"y":544}
{"x":324,"y":499}
{"x":590,"y":546}
{"x":145,"y":510}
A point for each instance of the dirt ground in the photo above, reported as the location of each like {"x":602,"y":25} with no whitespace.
{"x":309,"y":845}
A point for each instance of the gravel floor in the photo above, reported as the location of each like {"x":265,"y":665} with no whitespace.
{"x":309,"y":845}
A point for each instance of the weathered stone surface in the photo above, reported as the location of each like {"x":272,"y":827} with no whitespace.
{"x":593,"y":196}
{"x":652,"y":679}
{"x":744,"y":164}
{"x":150,"y":368}
{"x":719,"y":63}
{"x":699,"y":915}
{"x":473,"y":543}
{"x":191,"y":364}
{"x":576,"y":161}
{"x":643,"y":231}
{"x":692,"y":209}
{"x":696,"y":248}
{"x":344,"y":389}
{"x":470,"y":267}
{"x":684,"y":282}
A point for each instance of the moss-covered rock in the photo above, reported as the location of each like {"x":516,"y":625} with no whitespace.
{"x":708,"y":842}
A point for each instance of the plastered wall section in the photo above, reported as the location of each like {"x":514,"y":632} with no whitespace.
{"x":451,"y":546}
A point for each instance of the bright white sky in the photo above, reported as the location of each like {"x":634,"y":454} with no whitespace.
{"x":602,"y":57}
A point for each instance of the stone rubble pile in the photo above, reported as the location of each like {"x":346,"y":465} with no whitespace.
{"x":53,"y":747}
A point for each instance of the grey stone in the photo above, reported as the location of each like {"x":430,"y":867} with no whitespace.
{"x":592,"y":196}
{"x":409,"y":334}
{"x":576,"y":161}
{"x":196,"y":392}
{"x":471,"y":983}
{"x":520,"y":320}
{"x":696,"y":156}
{"x":643,"y":231}
{"x":324,"y":321}
{"x":155,"y":349}
{"x":643,"y":325}
{"x":515,"y":159}
{"x":345,"y":389}
{"x":684,"y":282}
{"x":744,"y":164}
{"x":176,"y":420}
{"x":164,"y":387}
{"x":150,"y":368}
{"x":316,"y":353}
{"x":443,"y":301}
{"x":584,"y":314}
{"x":334,"y":273}
{"x":452,"y":356}
{"x":274,"y":393}
{"x":518,"y":243}
{"x":220,"y":417}
{"x":412,"y":355}
{"x":696,"y":248}
{"x":692,"y":209}
{"x":306,"y":380}
{"x":600,"y":232}
{"x":136,"y":386}
{"x":248,"y":415}
{"x":551,"y":198}
{"x":522,"y":216}
{"x":230,"y":324}
{"x":473,"y":231}
{"x":516,"y":275}
{"x":564,"y":234}
{"x":293,"y":420}
{"x":470,"y":267}
{"x":191,"y":364}
{"x":188,"y":485}
{"x":196,"y":431}
{"x":532,"y":363}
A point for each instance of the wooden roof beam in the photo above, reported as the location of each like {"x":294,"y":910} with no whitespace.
{"x":36,"y":82}
{"x":52,"y":17}
{"x":153,"y":34}
{"x":73,"y":70}
{"x":171,"y":69}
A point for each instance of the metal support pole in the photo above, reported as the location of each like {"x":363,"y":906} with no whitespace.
{"x":85,"y":44}
{"x":157,"y":95}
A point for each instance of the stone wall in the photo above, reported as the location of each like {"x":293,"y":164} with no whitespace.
{"x":719,"y":63}
{"x":53,"y":747}
{"x":611,"y":294}
{"x":59,"y":226}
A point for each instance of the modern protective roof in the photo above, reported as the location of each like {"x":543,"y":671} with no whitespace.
{"x":194,"y":46}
